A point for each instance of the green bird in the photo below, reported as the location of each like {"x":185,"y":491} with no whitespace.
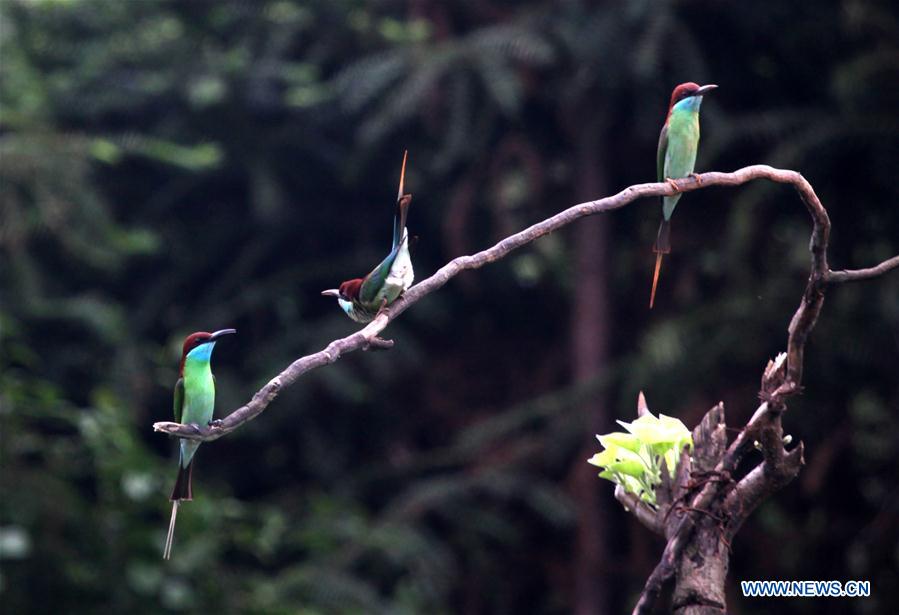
{"x":678,"y":144}
{"x":363,"y":298}
{"x":194,"y":404}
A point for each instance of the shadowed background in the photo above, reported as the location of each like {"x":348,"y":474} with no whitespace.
{"x":173,"y":167}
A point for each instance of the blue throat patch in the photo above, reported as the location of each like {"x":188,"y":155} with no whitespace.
{"x":691,"y":103}
{"x":203,"y":352}
{"x":347,"y":306}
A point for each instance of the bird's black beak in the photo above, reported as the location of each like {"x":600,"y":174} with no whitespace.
{"x":332,"y":292}
{"x":705,"y":89}
{"x":220,"y":333}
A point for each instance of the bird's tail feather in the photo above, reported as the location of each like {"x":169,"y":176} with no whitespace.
{"x":182,"y":490}
{"x":402,"y":207}
{"x":655,"y":279}
{"x":399,"y":220}
{"x":167,"y":553}
{"x":661,"y":247}
{"x":663,"y":239}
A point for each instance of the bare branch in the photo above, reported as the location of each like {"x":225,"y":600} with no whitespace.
{"x":754,"y":488}
{"x":855,"y":275}
{"x":642,"y":511}
{"x":366,"y":338}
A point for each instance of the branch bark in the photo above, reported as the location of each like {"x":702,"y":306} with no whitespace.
{"x":367,"y":337}
{"x":855,"y":275}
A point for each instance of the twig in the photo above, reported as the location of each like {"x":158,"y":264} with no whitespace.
{"x":854,"y":275}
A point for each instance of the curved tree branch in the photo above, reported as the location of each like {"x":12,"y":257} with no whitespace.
{"x":854,"y":275}
{"x":802,"y":323}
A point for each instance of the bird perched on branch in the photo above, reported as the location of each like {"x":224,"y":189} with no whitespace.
{"x":363,"y":298}
{"x":678,"y":143}
{"x":194,"y":404}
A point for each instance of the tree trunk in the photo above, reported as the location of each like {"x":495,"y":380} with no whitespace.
{"x":701,"y":573}
{"x":589,"y":333}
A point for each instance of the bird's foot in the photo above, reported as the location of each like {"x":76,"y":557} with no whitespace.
{"x":215,"y":423}
{"x":673,"y":184}
{"x":697,"y":177}
{"x":375,"y":342}
{"x":384,"y":309}
{"x":378,"y":343}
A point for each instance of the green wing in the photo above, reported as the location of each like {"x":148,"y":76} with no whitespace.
{"x":179,"y":399}
{"x":374,"y":281}
{"x":660,"y":155}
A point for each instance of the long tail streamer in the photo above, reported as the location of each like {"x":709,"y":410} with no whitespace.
{"x":655,"y":279}
{"x":168,"y":539}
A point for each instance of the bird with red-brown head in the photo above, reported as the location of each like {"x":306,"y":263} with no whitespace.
{"x":363,"y":298}
{"x":194,"y":404}
{"x":675,"y":159}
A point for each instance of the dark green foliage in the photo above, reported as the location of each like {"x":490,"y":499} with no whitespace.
{"x":167,"y":167}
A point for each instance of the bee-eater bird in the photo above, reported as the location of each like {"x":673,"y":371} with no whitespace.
{"x":363,"y":298}
{"x":194,"y":403}
{"x":678,"y":143}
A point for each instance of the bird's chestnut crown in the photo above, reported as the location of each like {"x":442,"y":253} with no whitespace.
{"x":686,"y":90}
{"x":193,"y":340}
{"x":350,"y":289}
{"x":198,"y":339}
{"x":202,"y":337}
